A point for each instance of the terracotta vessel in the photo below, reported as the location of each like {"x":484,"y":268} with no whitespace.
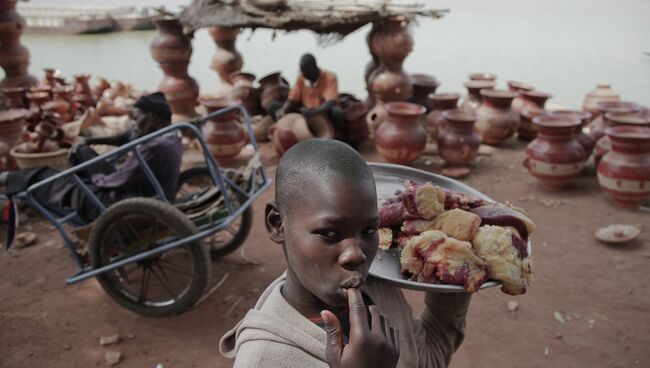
{"x":293,"y":128}
{"x":534,"y":99}
{"x":223,"y":134}
{"x":372,"y":65}
{"x":226,"y":60}
{"x":458,"y":142}
{"x":483,"y":77}
{"x":529,"y":100}
{"x":244,"y":92}
{"x":602,"y":92}
{"x":388,"y":86}
{"x":355,"y":112}
{"x":423,"y":86}
{"x":392,"y":42}
{"x":599,"y":124}
{"x":173,"y":50}
{"x":273,"y":88}
{"x":518,"y":87}
{"x":614,"y":119}
{"x":14,"y":97}
{"x":83,"y":95}
{"x":527,"y":131}
{"x":11,"y":125}
{"x":14,"y":57}
{"x":625,"y":171}
{"x":496,"y":122}
{"x":582,"y":137}
{"x":440,"y":102}
{"x":555,"y":157}
{"x":401,"y":139}
{"x":473,"y":99}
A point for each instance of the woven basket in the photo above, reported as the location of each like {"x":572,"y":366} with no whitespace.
{"x":56,"y":159}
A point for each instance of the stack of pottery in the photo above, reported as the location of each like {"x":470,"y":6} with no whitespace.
{"x":423,"y":86}
{"x":624,"y":172}
{"x":274,"y":89}
{"x":293,"y":128}
{"x":14,"y":97}
{"x":518,"y":87}
{"x":496,"y":122}
{"x":400,"y":138}
{"x":83,"y":95}
{"x":173,"y":50}
{"x":14,"y":57}
{"x":226,"y":60}
{"x":473,"y":99}
{"x":583,"y":138}
{"x":599,"y":124}
{"x":555,"y":157}
{"x":458,"y":142}
{"x":533,"y":102}
{"x":602,"y":93}
{"x":614,"y":119}
{"x":223,"y":134}
{"x":244,"y":92}
{"x":434,"y":120}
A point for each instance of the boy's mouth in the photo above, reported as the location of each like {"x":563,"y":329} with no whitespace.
{"x":352,"y":283}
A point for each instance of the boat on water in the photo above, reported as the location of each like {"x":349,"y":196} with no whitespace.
{"x":53,"y":19}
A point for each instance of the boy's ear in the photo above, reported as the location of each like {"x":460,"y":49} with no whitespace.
{"x":273,"y":222}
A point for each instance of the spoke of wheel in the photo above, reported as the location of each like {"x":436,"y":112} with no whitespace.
{"x":162,"y":282}
{"x":144,"y":284}
{"x":152,"y":233}
{"x":172,"y":267}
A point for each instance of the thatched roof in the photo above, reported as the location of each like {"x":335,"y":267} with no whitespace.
{"x":338,"y":17}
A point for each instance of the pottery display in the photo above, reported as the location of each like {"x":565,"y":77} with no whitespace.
{"x":599,"y":123}
{"x":226,"y":60}
{"x":555,"y":157}
{"x":293,"y":128}
{"x":400,"y":138}
{"x":602,"y":92}
{"x":14,"y":97}
{"x":11,"y":125}
{"x":518,"y":87}
{"x":244,"y":92}
{"x":527,"y":131}
{"x":496,"y":122}
{"x":83,"y":95}
{"x":273,"y":88}
{"x":458,"y":142}
{"x":614,"y":119}
{"x":172,"y":50}
{"x":434,"y":120}
{"x":473,"y":99}
{"x":582,"y":137}
{"x":423,"y":86}
{"x":223,"y":134}
{"x":14,"y":57}
{"x":624,"y":172}
{"x":482,"y":77}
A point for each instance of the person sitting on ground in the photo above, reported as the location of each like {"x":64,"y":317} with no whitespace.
{"x":109,"y":183}
{"x":324,"y":310}
{"x":315,"y":93}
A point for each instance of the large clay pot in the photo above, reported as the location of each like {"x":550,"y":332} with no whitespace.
{"x":529,"y":100}
{"x":14,"y":97}
{"x":518,"y":87}
{"x":614,"y":119}
{"x":401,"y":139}
{"x":458,"y":142}
{"x":473,"y":99}
{"x":392,"y":42}
{"x":83,"y":95}
{"x":226,"y":60}
{"x":14,"y":57}
{"x":387,"y":86}
{"x":584,"y":116}
{"x":293,"y":128}
{"x":440,"y":102}
{"x":602,"y":92}
{"x":483,"y":77}
{"x":599,"y":124}
{"x":555,"y":157}
{"x":244,"y":92}
{"x":496,"y":122}
{"x":527,"y":131}
{"x":423,"y":86}
{"x":534,"y":99}
{"x":223,"y":134}
{"x":11,"y":125}
{"x":274,"y":88}
{"x":624,"y":172}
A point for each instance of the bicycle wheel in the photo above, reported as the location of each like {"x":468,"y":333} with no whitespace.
{"x":197,"y":179}
{"x":160,"y":286}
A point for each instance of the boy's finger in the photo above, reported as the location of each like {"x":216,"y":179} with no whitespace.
{"x":358,"y":315}
{"x":334,"y":332}
{"x":375,"y":318}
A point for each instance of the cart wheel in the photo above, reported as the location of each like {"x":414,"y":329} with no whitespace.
{"x":195,"y":180}
{"x":161,"y":286}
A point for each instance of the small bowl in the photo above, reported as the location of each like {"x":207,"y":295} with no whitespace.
{"x":617,"y":233}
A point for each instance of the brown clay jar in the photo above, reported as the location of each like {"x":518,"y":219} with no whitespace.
{"x":529,"y":100}
{"x":555,"y":157}
{"x":613,"y":119}
{"x":273,"y":87}
{"x":11,"y":125}
{"x":496,"y":122}
{"x":423,"y":86}
{"x":82,"y":92}
{"x":518,"y":87}
{"x":624,"y":172}
{"x":527,"y":131}
{"x":473,"y":99}
{"x":226,"y":59}
{"x":599,"y":124}
{"x":400,"y":138}
{"x":392,"y":41}
{"x":458,"y":142}
{"x":440,"y":102}
{"x":14,"y":97}
{"x":534,"y":98}
{"x":224,"y":136}
{"x":582,"y":137}
{"x":244,"y":92}
{"x":602,"y":92}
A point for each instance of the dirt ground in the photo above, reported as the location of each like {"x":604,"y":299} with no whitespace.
{"x":589,"y":305}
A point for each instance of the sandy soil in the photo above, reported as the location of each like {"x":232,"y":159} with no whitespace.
{"x":600,"y":292}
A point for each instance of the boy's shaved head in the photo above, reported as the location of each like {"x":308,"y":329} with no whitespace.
{"x":318,"y":161}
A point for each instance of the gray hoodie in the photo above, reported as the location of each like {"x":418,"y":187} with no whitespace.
{"x":274,"y":334}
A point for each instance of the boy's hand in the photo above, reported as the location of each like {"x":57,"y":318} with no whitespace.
{"x":376,"y":347}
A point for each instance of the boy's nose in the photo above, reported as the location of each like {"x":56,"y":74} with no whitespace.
{"x":352,"y":255}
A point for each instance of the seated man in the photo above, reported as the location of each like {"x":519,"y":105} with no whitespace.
{"x":315,"y":93}
{"x":111,"y":184}
{"x":324,"y":310}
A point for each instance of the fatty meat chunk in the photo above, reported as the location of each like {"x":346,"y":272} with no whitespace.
{"x":385,"y":238}
{"x":458,"y":224}
{"x":424,"y":201}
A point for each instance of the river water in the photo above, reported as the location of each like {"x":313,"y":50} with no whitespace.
{"x":564,"y":47}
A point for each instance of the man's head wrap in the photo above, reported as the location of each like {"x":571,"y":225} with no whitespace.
{"x":155,"y":103}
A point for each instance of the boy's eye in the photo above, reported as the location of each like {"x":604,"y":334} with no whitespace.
{"x":327,"y":235}
{"x":370,"y":231}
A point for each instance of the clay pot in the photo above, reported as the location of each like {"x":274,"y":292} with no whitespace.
{"x":170,"y":44}
{"x":529,"y":100}
{"x":82,"y":92}
{"x":518,"y":87}
{"x":473,"y":99}
{"x":527,"y":131}
{"x":224,"y":136}
{"x":599,"y":124}
{"x":615,"y":119}
{"x":602,"y":92}
{"x":273,"y":87}
{"x":355,"y":111}
{"x":423,"y":86}
{"x":11,"y":125}
{"x":244,"y":92}
{"x":401,"y":139}
{"x":584,"y":116}
{"x":624,"y":172}
{"x":293,"y":128}
{"x":391,"y":85}
{"x":14,"y":97}
{"x":555,"y":157}
{"x":14,"y":57}
{"x":101,"y":86}
{"x":496,"y":122}
{"x":392,"y":42}
{"x":36,"y":99}
{"x":226,"y":60}
{"x":458,"y":142}
{"x":261,"y":125}
{"x":483,"y":77}
{"x":440,"y":102}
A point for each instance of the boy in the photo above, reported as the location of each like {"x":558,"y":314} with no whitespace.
{"x":324,"y":311}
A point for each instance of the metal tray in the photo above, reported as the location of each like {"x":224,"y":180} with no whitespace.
{"x":386,"y":266}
